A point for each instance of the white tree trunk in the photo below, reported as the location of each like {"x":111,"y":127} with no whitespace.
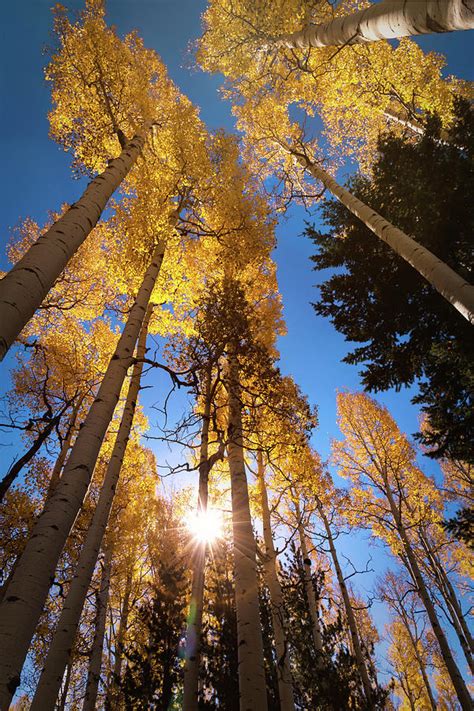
{"x":392,"y":116}
{"x":252,"y":687}
{"x":28,"y":589}
{"x":285,"y":681}
{"x":65,"y":688}
{"x":194,"y":626}
{"x":421,"y":663}
{"x":456,"y":677}
{"x":454,"y":288}
{"x":25,"y":286}
{"x":310,"y":595}
{"x":112,"y":700}
{"x":65,"y":633}
{"x":437,"y":573}
{"x":386,"y":20}
{"x":350,"y":617}
{"x":95,"y":662}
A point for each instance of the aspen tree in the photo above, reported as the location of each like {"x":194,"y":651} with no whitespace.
{"x":263,"y":99}
{"x":26,"y":285}
{"x":113,"y":686}
{"x":374,"y":451}
{"x":404,"y":604}
{"x":285,"y":683}
{"x":27,"y":591}
{"x":63,"y":638}
{"x":108,"y":95}
{"x":95,"y":662}
{"x":351,"y":619}
{"x":194,"y":626}
{"x":263,"y":28}
{"x":408,"y":681}
{"x":351,"y":88}
{"x":290,"y":152}
{"x":314,"y":489}
{"x":136,"y":528}
{"x":252,"y":687}
{"x":313,"y":607}
{"x":436,"y":558}
{"x":65,"y":447}
{"x":386,"y":20}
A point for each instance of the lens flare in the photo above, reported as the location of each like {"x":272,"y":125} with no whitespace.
{"x":205,"y":526}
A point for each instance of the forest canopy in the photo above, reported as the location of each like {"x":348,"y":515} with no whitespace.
{"x":203,"y":507}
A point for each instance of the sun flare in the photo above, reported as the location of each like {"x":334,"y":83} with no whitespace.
{"x":205,"y":526}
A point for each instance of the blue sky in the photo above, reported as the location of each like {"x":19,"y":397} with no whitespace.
{"x":35,"y":178}
{"x":36,"y":175}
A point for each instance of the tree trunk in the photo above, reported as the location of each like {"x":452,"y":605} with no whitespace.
{"x":113,"y":691}
{"x":28,"y":589}
{"x":386,"y":20}
{"x":454,"y":288}
{"x":16,"y":468}
{"x":63,"y":638}
{"x":460,"y":687}
{"x":60,"y":461}
{"x":392,"y":116}
{"x":308,"y":584}
{"x":194,"y":625}
{"x":285,"y":681}
{"x":95,"y":662}
{"x":252,"y":686}
{"x":351,"y":620}
{"x":436,"y":571}
{"x":67,"y":680}
{"x":25,"y":286}
{"x":420,"y":661}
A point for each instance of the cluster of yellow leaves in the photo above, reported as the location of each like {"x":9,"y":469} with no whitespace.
{"x":84,"y":289}
{"x":351,"y":89}
{"x":409,"y":685}
{"x":380,"y":462}
{"x":101,"y":85}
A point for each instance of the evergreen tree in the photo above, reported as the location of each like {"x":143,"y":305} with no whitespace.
{"x":334,"y":683}
{"x":408,"y":333}
{"x":153,"y":674}
{"x":220,"y":686}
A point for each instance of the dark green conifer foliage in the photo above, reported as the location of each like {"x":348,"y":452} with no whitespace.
{"x":152,"y":678}
{"x":408,"y":333}
{"x":219,"y":672}
{"x":330,"y":684}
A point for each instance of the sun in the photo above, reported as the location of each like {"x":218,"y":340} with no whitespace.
{"x":205,"y":526}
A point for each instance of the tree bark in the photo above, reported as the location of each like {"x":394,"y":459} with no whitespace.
{"x":113,"y":691}
{"x":392,"y":116}
{"x":27,"y":592}
{"x":63,"y":638}
{"x":351,"y":620}
{"x":64,"y":691}
{"x":460,"y":687}
{"x":25,"y":286}
{"x":386,"y":20}
{"x":454,"y":288}
{"x":308,"y":584}
{"x":420,"y":661}
{"x":95,"y":662}
{"x":285,"y":681}
{"x":436,"y":571}
{"x":252,"y":687}
{"x":194,"y":624}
